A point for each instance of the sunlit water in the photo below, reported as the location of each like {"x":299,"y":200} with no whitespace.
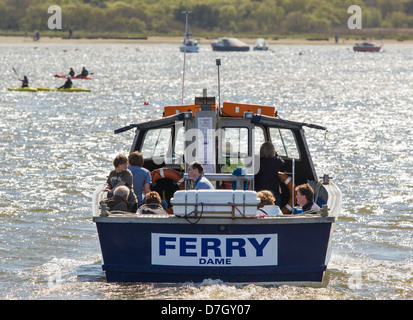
{"x":55,"y":148}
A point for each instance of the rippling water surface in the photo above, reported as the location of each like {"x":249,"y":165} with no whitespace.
{"x":55,"y":148}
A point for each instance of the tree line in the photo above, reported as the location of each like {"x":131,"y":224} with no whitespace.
{"x":207,"y":16}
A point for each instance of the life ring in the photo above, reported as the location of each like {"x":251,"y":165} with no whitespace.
{"x":168,"y":173}
{"x":288,"y":181}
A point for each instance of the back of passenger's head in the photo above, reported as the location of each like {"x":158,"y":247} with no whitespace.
{"x":121,"y":191}
{"x":306,"y":190}
{"x":267,"y":198}
{"x":136,"y":159}
{"x":153,"y":197}
{"x":197,"y":165}
{"x":267,"y":150}
{"x":120,"y":159}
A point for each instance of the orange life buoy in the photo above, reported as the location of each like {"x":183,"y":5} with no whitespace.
{"x":168,"y":173}
{"x":288,"y":181}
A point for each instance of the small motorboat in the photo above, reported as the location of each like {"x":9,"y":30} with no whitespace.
{"x":366,"y":47}
{"x":229,"y":44}
{"x":260,"y":45}
{"x":192,"y":45}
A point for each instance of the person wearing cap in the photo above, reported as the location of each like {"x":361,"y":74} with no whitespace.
{"x":196,"y":173}
{"x":68,"y":84}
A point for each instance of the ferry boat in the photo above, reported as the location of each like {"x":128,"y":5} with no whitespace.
{"x":215,"y":234}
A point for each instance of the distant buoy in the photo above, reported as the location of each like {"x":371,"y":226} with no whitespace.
{"x":146,"y":103}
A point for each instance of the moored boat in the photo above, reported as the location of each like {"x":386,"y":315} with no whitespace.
{"x":260,"y":45}
{"x":229,"y":44}
{"x":216,"y":233}
{"x":192,"y":45}
{"x":366,"y":47}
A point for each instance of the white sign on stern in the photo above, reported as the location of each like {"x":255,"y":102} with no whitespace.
{"x":214,"y":250}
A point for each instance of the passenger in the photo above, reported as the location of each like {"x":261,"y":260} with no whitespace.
{"x":121,"y":176}
{"x":84,"y":73}
{"x":267,"y":177}
{"x":25,"y":82}
{"x":196,"y":173}
{"x":72,"y":72}
{"x":267,"y":204}
{"x":68,"y":84}
{"x":152,"y":204}
{"x":119,"y":201}
{"x":305,"y":197}
{"x":230,"y":165}
{"x":141,"y":176}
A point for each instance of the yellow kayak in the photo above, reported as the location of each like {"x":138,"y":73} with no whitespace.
{"x":64,"y":90}
{"x":26,"y":89}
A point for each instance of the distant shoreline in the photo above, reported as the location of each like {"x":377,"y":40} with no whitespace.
{"x":178,"y":40}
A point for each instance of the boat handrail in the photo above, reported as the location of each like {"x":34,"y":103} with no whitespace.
{"x":98,"y":195}
{"x":226,"y":177}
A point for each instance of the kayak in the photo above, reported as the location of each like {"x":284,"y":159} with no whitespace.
{"x":58,"y":75}
{"x":27,"y":89}
{"x":65,"y":90}
{"x":72,"y":90}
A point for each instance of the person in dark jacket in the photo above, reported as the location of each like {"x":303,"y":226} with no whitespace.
{"x":25,"y":82}
{"x":152,"y":204}
{"x":119,"y":201}
{"x":68,"y":84}
{"x":267,"y":177}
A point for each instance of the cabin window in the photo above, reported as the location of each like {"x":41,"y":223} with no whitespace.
{"x":156,"y":143}
{"x":284,"y":143}
{"x":235,"y":142}
{"x":180,"y":141}
{"x":259,"y":139}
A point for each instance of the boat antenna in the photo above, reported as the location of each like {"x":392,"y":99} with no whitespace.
{"x":185,"y":41}
{"x":218,"y":62}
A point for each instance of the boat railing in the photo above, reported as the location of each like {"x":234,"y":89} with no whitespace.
{"x":98,"y":196}
{"x":241,"y":182}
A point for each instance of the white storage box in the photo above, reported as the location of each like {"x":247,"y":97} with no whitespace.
{"x":215,"y":203}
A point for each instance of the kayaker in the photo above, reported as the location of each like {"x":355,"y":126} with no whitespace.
{"x":72,"y":72}
{"x":68,"y":84}
{"x":84,"y":73}
{"x":25,"y":82}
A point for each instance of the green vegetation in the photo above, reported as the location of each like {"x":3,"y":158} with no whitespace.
{"x":137,"y":18}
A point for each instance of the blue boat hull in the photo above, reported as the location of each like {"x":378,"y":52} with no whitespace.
{"x":301,"y":251}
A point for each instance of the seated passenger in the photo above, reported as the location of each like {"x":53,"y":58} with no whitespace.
{"x":305,"y":198}
{"x":119,"y":201}
{"x":121,"y":176}
{"x":196,"y":173}
{"x":267,"y":205}
{"x":152,"y":204}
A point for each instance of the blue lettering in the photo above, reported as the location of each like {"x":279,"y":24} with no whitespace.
{"x":184,"y":246}
{"x":210,"y":244}
{"x":236,"y":244}
{"x":259,"y":247}
{"x":163,"y":246}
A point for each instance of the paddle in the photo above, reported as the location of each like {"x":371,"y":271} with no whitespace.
{"x":15,"y":72}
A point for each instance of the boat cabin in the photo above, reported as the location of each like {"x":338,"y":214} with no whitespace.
{"x":222,"y":139}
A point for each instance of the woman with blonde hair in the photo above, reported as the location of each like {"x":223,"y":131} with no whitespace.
{"x":267,"y":176}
